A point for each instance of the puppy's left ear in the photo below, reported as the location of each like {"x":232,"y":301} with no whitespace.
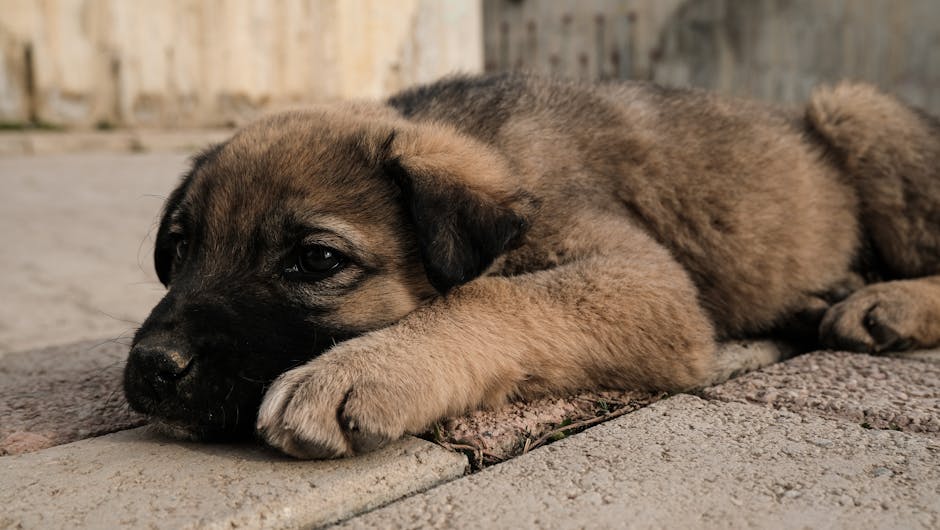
{"x":458,"y":193}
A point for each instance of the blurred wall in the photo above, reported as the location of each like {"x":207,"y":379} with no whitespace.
{"x":771,"y":49}
{"x":100,"y":63}
{"x":588,"y":39}
{"x":176,"y":63}
{"x":780,"y":49}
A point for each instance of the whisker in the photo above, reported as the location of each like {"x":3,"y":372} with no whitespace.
{"x":115,"y":340}
{"x":112,"y":317}
{"x":148,"y":237}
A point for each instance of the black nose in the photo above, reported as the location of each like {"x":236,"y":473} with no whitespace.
{"x":160,"y":366}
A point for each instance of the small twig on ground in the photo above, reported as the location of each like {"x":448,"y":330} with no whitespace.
{"x":461,"y":447}
{"x":595,"y":401}
{"x":574,"y":426}
{"x":477,"y":454}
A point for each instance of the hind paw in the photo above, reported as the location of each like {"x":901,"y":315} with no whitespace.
{"x":876,"y":319}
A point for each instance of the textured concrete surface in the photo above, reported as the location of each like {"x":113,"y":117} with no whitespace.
{"x":75,"y":261}
{"x":880,"y":392}
{"x":689,"y":463}
{"x":62,"y":394}
{"x":138,"y":479}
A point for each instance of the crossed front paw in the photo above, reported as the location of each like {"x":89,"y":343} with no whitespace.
{"x":327,"y":410}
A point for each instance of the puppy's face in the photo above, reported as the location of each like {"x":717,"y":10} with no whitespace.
{"x":278,"y":244}
{"x":300,"y":232}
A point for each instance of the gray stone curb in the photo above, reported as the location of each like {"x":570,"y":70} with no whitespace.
{"x":139,"y":479}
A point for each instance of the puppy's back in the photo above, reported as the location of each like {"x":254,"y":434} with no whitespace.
{"x":737,"y":190}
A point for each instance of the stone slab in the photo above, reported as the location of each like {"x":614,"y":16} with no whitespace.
{"x":138,"y":479}
{"x":689,"y":463}
{"x":900,"y":392}
{"x":62,"y":394}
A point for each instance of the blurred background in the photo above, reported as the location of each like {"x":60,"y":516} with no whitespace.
{"x":103,"y":101}
{"x":98,"y":64}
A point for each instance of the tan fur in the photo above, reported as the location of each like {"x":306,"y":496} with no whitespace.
{"x":655,"y":222}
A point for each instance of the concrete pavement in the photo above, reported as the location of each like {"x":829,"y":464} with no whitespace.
{"x":824,"y":440}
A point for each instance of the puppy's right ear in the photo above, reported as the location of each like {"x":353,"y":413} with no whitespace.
{"x":165,"y":246}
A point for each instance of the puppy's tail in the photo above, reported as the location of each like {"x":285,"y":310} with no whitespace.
{"x":891,"y":153}
{"x":739,"y":357}
{"x":875,"y":133}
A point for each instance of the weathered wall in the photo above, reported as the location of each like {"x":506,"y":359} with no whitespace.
{"x":771,"y":49}
{"x":780,"y":49}
{"x":212,"y":62}
{"x":589,"y":39}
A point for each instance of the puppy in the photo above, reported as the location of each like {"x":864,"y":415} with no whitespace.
{"x":342,"y":276}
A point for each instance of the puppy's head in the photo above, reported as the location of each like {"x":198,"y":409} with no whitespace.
{"x":301,"y":231}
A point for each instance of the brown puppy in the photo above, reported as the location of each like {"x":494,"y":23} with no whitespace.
{"x":481,"y":239}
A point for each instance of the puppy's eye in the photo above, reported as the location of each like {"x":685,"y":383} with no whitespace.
{"x":318,"y":260}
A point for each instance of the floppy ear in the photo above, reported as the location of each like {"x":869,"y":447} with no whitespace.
{"x":164,"y":250}
{"x":457,"y":193}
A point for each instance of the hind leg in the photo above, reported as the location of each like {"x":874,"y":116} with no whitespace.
{"x":891,"y":153}
{"x":890,"y":316}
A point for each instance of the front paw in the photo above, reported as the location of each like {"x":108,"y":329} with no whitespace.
{"x":325,"y":409}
